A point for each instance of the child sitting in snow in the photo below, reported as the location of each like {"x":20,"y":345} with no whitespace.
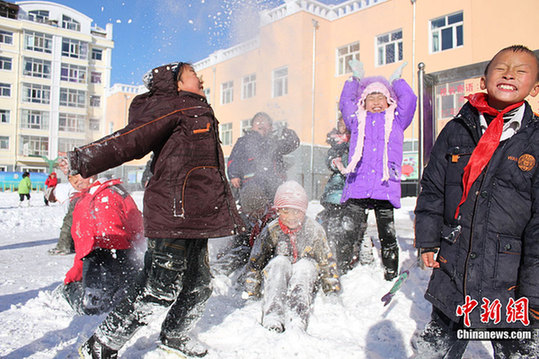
{"x":293,"y":253}
{"x":377,"y":113}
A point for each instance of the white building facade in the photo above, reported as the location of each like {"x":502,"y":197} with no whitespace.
{"x":55,"y":67}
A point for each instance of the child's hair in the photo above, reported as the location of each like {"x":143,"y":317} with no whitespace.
{"x":25,"y":174}
{"x":516,"y":48}
{"x":261,"y":116}
{"x":178,"y":70}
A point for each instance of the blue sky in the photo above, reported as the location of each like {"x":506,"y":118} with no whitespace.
{"x":148,"y":33}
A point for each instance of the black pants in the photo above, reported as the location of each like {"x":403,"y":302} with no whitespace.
{"x":439,"y":340}
{"x":21,"y":196}
{"x":176,"y":276}
{"x":106,"y":275}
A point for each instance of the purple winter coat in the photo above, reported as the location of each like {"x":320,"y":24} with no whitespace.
{"x":366,"y":180}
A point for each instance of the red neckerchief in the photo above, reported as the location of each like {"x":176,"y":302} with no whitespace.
{"x":487,"y":144}
{"x":292,"y":235}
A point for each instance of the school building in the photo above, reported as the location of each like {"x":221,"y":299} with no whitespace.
{"x":295,"y":65}
{"x":54,"y":69}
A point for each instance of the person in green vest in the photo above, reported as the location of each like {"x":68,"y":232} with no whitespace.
{"x":25,"y":186}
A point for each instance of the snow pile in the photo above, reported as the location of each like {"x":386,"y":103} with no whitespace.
{"x":36,"y":324}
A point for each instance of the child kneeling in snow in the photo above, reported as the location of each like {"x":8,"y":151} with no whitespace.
{"x":294,"y":256}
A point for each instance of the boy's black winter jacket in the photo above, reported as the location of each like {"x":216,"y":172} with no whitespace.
{"x":188,"y":195}
{"x":492,"y":250}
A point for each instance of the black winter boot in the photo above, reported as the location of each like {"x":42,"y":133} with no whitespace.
{"x":390,"y":260}
{"x":186,"y":345}
{"x":93,"y":349}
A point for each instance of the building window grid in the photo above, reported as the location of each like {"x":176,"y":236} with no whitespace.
{"x":97,"y":54}
{"x":4,"y":143}
{"x":36,"y":93}
{"x":95,"y":101}
{"x":447,"y":32}
{"x":95,"y":77}
{"x":73,"y":73}
{"x":225,"y":133}
{"x":390,"y":48}
{"x":70,"y":24}
{"x":72,"y":98}
{"x":5,"y":63}
{"x":227,"y":92}
{"x":344,"y":55}
{"x":280,"y":82}
{"x":68,"y":144}
{"x":5,"y":90}
{"x":6,"y":37}
{"x":34,"y":145}
{"x":245,"y":126}
{"x":34,"y":120}
{"x":5,"y":116}
{"x":94,"y":124}
{"x":70,"y":122}
{"x":41,"y":16}
{"x":37,"y":68}
{"x":248,"y":89}
{"x":36,"y":41}
{"x":207,"y":93}
{"x":74,"y":48}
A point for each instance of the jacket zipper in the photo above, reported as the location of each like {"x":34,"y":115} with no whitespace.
{"x":182,"y":212}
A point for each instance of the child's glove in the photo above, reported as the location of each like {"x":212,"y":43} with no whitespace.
{"x":75,"y":273}
{"x":398,"y":72}
{"x":249,"y":296}
{"x":357,"y":68}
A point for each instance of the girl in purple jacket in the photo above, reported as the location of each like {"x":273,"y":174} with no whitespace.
{"x":376,"y":113}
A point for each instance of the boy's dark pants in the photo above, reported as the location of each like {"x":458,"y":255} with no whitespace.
{"x":21,"y":196}
{"x":341,"y":234}
{"x":357,"y":209}
{"x":439,"y":340}
{"x":105,"y":278}
{"x":176,"y":276}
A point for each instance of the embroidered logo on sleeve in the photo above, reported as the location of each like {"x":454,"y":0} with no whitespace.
{"x":526,"y":162}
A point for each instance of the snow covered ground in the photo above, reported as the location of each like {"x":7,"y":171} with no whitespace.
{"x":35,"y":325}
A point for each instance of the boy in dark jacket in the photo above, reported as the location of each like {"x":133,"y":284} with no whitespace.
{"x":186,"y":201}
{"x":479,"y":211}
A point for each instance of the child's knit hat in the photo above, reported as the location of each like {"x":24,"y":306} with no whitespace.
{"x":291,"y":195}
{"x":367,"y":86}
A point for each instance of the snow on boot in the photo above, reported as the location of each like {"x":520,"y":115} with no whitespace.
{"x":273,"y":323}
{"x":390,"y":260}
{"x":93,"y":349}
{"x":365,"y":252}
{"x":185,"y":345}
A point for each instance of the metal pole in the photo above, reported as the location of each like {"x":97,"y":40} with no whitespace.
{"x":315,"y":26}
{"x":421,"y":98}
{"x":413,"y":56}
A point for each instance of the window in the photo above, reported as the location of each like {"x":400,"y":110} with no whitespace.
{"x":36,"y":41}
{"x":95,"y":77}
{"x":74,"y":48}
{"x":449,"y":99}
{"x":4,"y":143}
{"x":410,"y":146}
{"x":280,"y":82}
{"x":68,"y":144}
{"x":345,"y":54}
{"x":5,"y":63}
{"x":72,"y":97}
{"x":207,"y":94}
{"x":94,"y":124}
{"x":36,"y":68}
{"x":6,"y":37}
{"x":70,"y":122}
{"x":4,"y":116}
{"x":5,"y":90}
{"x":35,"y":93}
{"x":248,"y":88}
{"x":95,"y":101}
{"x":227,"y":92}
{"x":245,"y":126}
{"x":97,"y":54}
{"x":73,"y":73}
{"x":35,"y":120}
{"x":447,"y":32}
{"x":225,"y":133}
{"x":70,"y":24}
{"x":389,"y":48}
{"x":34,"y":145}
{"x":38,"y":16}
